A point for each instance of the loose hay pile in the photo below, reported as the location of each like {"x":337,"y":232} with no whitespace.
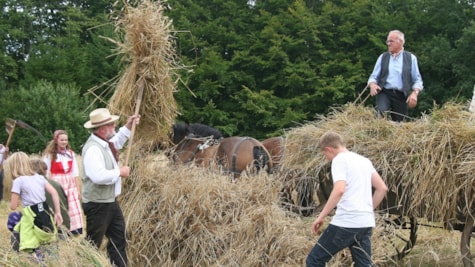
{"x":190,"y":216}
{"x":428,"y":162}
{"x":193,"y":216}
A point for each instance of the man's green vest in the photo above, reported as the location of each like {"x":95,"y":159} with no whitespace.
{"x":92,"y":192}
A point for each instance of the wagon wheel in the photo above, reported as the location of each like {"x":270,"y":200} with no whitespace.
{"x":467,"y":235}
{"x":396,"y":235}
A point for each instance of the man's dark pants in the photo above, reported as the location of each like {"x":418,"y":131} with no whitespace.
{"x":394,"y":101}
{"x":107,"y":219}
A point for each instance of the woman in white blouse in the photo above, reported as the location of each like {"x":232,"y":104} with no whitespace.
{"x":63,"y":168}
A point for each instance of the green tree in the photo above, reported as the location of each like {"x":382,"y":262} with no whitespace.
{"x":57,"y":41}
{"x":463,"y":69}
{"x":261,"y":68}
{"x":16,"y":39}
{"x":73,"y":52}
{"x":46,"y":107}
{"x":258,"y":67}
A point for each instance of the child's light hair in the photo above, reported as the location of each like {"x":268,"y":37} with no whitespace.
{"x":39,"y":166}
{"x":18,"y":164}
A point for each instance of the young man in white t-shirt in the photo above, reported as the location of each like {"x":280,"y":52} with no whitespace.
{"x":353,"y":176}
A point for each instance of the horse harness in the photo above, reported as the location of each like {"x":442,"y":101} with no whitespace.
{"x":234,"y":157}
{"x":208,"y":141}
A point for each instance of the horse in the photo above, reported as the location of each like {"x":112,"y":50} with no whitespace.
{"x":275,"y":146}
{"x":236,"y":154}
{"x":199,"y":145}
{"x":200,"y":151}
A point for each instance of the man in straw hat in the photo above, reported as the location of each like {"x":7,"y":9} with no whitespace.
{"x":102,"y":182}
{"x":353,"y":179}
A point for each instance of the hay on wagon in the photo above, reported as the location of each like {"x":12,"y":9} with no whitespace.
{"x":428,"y":162}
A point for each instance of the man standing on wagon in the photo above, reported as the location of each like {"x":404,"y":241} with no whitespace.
{"x":102,"y":182}
{"x":396,"y":80}
{"x":353,"y":179}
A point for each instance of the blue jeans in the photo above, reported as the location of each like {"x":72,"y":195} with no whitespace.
{"x":337,"y":238}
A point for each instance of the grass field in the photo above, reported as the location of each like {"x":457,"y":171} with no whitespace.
{"x":434,"y":247}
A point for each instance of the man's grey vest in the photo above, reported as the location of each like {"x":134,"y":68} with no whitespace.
{"x":92,"y":192}
{"x":406,"y":71}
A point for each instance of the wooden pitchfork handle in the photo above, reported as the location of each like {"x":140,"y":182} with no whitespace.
{"x":10,"y":134}
{"x":132,"y":131}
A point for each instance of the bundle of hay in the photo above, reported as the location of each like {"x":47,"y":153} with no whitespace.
{"x":428,"y":163}
{"x":191,"y":216}
{"x":149,"y":50}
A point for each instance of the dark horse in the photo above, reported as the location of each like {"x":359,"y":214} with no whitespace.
{"x":205,"y":146}
{"x":197,"y":130}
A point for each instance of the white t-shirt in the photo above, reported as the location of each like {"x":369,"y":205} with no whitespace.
{"x":355,"y":208}
{"x":2,"y":150}
{"x":30,"y":188}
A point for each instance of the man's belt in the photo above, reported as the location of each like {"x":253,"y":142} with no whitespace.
{"x":394,"y":90}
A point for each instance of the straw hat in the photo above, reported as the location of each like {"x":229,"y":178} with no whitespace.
{"x":99,"y":117}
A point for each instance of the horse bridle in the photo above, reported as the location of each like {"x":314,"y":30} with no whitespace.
{"x":200,"y":147}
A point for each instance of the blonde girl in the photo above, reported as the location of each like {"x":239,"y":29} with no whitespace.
{"x":37,"y":225}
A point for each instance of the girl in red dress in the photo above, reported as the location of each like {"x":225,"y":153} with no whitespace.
{"x":63,"y":168}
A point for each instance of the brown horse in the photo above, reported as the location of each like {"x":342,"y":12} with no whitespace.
{"x":238,"y":154}
{"x":200,"y":151}
{"x":275,"y":146}
{"x":232,"y":154}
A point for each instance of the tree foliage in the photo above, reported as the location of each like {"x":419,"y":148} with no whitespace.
{"x":45,"y":107}
{"x":56,"y":41}
{"x":258,"y":67}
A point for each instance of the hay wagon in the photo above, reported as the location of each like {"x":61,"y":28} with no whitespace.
{"x":428,"y":165}
{"x":398,"y":225}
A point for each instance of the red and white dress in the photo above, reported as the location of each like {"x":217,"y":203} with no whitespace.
{"x":64,"y":170}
